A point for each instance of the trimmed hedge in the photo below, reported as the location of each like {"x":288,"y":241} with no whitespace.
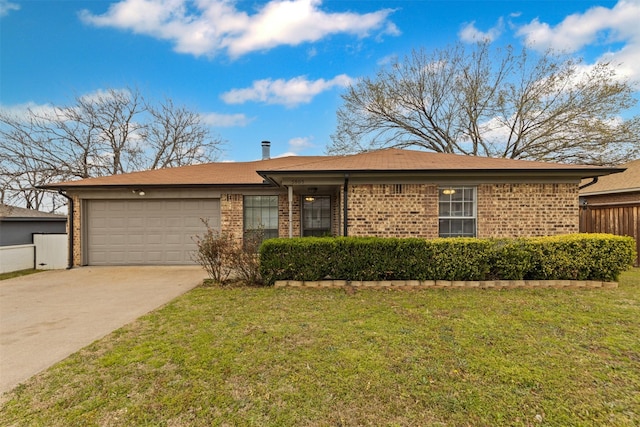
{"x":568,"y":257}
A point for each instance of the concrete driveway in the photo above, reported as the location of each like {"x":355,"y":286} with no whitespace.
{"x":47,"y":316}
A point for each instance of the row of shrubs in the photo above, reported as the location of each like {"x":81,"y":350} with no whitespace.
{"x":568,"y":257}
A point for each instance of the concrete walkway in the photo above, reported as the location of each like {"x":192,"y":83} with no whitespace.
{"x":47,"y":316}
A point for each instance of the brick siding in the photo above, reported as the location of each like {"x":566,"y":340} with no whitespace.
{"x":520,"y":210}
{"x":231,"y":214}
{"x":77,"y":235}
{"x":283,"y":215}
{"x":389,"y":210}
{"x":503,"y":210}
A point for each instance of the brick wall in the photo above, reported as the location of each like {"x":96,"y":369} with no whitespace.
{"x":283,"y":215}
{"x":77,"y":227}
{"x":390,"y":210}
{"x":503,"y":210}
{"x":231,"y":214}
{"x":336,"y":214}
{"x":511,"y":210}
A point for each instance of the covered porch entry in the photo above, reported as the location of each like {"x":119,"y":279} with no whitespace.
{"x":315,"y":207}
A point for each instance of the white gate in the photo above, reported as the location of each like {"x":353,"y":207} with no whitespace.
{"x":52,"y":251}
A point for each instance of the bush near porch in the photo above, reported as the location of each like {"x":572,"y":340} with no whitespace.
{"x":568,"y":257}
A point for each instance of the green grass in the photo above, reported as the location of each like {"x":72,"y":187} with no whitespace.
{"x":5,"y":276}
{"x":296,"y":357}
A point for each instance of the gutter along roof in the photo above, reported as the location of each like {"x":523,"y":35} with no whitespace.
{"x":625,"y":182}
{"x":387,"y":161}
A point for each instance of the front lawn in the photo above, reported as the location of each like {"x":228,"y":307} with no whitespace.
{"x":310,"y":357}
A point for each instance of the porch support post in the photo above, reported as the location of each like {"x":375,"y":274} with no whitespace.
{"x":290,"y":188}
{"x":344,"y":205}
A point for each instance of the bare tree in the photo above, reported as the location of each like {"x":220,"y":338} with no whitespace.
{"x":177,"y":136}
{"x":494,"y":103}
{"x":107,"y":133}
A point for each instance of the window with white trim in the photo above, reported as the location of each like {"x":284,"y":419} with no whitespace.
{"x":457,"y":211}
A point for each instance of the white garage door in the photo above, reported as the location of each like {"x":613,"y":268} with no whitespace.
{"x":151,"y":232}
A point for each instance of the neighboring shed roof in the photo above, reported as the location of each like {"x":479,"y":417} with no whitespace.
{"x":625,"y":182}
{"x":16,"y":213}
{"x":379,"y":161}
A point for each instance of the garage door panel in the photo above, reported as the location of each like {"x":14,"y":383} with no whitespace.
{"x":135,"y":256}
{"x":174,"y":222}
{"x":116,"y":206}
{"x":174,"y":239}
{"x":135,"y":240}
{"x":154,"y":222}
{"x":135,"y":222}
{"x":154,"y":232}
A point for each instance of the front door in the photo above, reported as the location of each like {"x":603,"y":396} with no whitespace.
{"x":316,"y":216}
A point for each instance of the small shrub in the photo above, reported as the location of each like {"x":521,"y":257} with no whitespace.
{"x":215,"y":252}
{"x":223,"y":257}
{"x":245,"y":261}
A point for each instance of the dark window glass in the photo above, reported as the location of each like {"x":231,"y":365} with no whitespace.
{"x":316,"y":215}
{"x":261,"y":214}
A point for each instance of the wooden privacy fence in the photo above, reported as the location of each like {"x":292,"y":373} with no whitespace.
{"x":622,"y":219}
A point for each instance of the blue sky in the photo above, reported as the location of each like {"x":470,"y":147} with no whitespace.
{"x":273,"y":70}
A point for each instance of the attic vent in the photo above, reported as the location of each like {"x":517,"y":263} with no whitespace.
{"x":396,"y":189}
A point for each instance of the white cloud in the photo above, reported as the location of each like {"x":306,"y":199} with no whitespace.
{"x":225,"y":120}
{"x":206,"y":27}
{"x":471,"y":34}
{"x":290,"y":93}
{"x":386,"y":60}
{"x":287,"y":154}
{"x":598,"y":25}
{"x":6,"y":6}
{"x":301,"y":143}
{"x":20,"y":111}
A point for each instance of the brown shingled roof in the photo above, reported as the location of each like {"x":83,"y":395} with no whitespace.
{"x":219,"y":173}
{"x":627,"y":181}
{"x":393,"y":159}
{"x":386,"y":160}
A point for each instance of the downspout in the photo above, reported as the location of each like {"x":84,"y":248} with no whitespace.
{"x":71,"y":214}
{"x":589,"y":184}
{"x":345,"y":197}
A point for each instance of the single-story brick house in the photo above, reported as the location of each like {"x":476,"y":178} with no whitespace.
{"x":150,"y":217}
{"x":612,"y":204}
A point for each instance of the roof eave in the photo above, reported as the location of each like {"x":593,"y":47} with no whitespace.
{"x":582,"y":173}
{"x":612,"y":191}
{"x":32,"y":219}
{"x":120,"y":186}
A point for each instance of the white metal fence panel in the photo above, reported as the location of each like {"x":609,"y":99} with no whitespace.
{"x":16,"y":258}
{"x":51,"y":251}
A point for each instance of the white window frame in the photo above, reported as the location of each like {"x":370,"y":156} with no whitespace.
{"x":462,"y":217}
